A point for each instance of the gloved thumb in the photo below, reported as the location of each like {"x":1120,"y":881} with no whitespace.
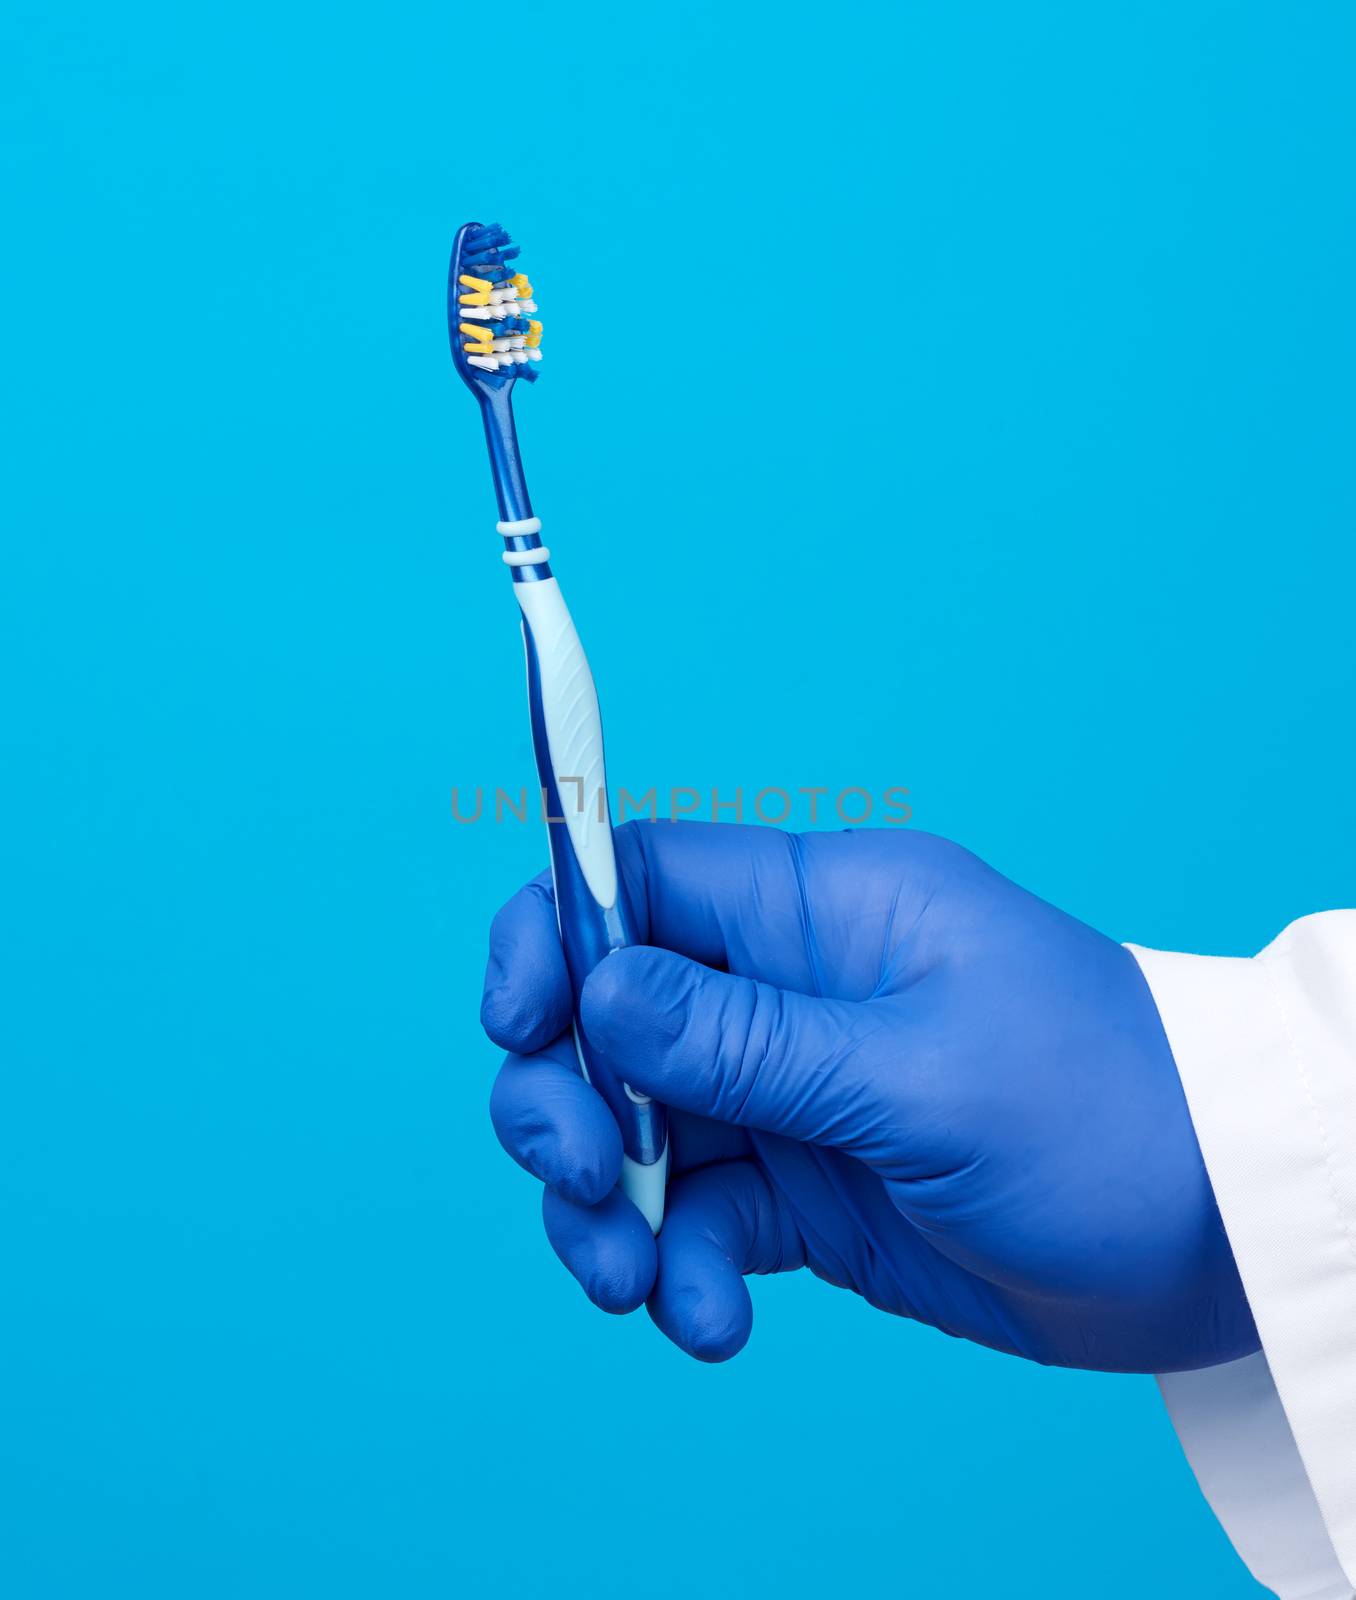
{"x":741,"y":1051}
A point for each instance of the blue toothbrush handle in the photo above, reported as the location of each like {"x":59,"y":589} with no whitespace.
{"x":595,"y":920}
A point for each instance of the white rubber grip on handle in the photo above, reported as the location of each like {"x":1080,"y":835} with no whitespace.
{"x":574,"y":733}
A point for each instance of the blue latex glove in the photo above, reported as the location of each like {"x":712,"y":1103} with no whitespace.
{"x":887,"y":1063}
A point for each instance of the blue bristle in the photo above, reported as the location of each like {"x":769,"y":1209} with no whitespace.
{"x":485,"y":251}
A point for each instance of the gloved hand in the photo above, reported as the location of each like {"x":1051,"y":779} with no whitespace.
{"x":884,"y":1062}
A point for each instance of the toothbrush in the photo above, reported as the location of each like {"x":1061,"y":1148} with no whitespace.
{"x":496,"y":342}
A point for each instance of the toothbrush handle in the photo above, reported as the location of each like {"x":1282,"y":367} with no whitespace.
{"x":595,"y":920}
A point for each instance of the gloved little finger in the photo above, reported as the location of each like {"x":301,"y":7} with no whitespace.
{"x":722,"y":1222}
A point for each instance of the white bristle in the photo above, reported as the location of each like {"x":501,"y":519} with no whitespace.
{"x":505,"y":348}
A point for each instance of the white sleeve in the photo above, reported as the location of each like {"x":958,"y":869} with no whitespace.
{"x":1266,"y":1049}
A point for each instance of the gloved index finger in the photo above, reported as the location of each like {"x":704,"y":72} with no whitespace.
{"x":723,"y":894}
{"x":526,"y":1000}
{"x":809,"y":912}
{"x":706,"y":891}
{"x":720,"y":893}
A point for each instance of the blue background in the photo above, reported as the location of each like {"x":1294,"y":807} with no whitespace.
{"x":950,"y":395}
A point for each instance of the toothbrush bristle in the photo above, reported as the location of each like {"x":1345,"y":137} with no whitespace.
{"x":495,"y":329}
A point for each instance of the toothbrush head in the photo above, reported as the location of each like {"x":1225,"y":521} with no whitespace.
{"x":490,"y":311}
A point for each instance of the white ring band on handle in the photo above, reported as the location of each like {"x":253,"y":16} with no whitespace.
{"x":527,"y":558}
{"x":527,"y":525}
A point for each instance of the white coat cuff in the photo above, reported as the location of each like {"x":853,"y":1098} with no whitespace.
{"x":1266,"y":1049}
